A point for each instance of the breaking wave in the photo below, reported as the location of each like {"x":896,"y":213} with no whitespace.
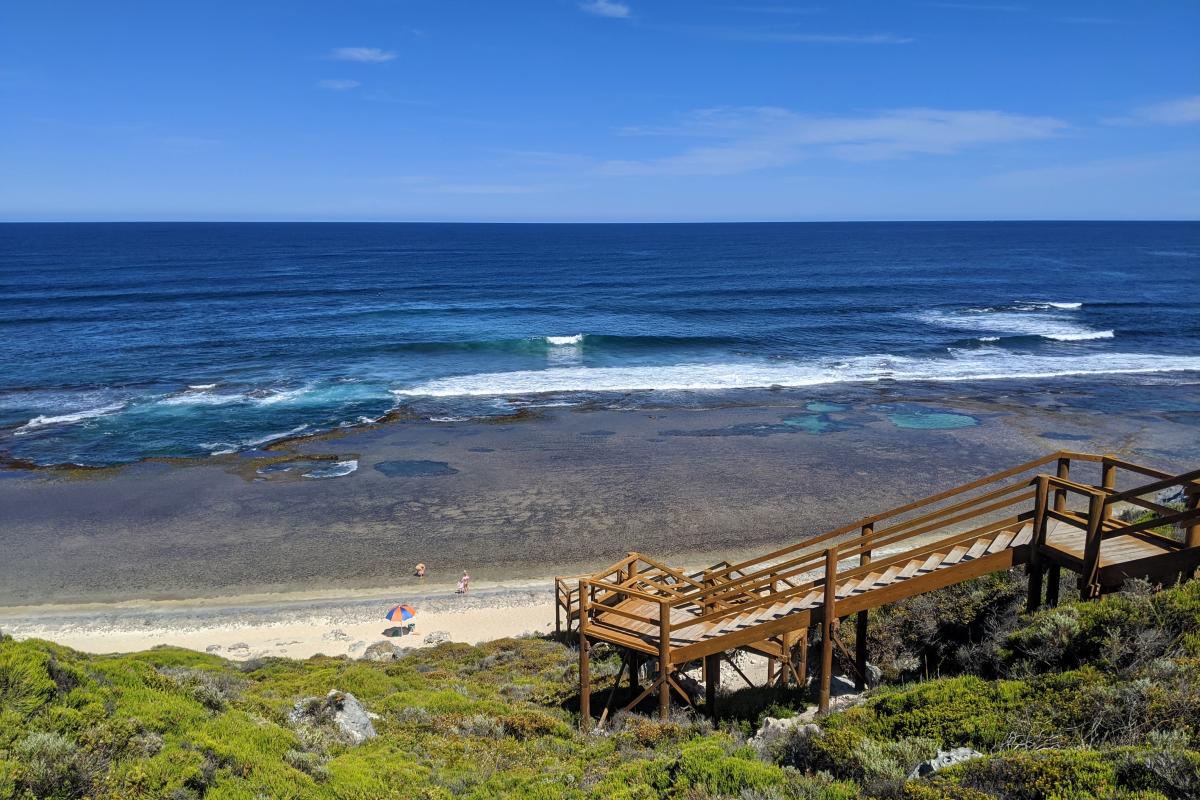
{"x":961,"y":365}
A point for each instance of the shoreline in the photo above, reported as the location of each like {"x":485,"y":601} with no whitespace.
{"x":563,"y":491}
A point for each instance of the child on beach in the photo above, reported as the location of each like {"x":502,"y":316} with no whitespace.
{"x":419,"y":571}
{"x":464,"y":583}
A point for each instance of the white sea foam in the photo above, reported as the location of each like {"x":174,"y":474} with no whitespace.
{"x":1016,"y":323}
{"x":201,"y":387}
{"x":277,"y":397}
{"x":68,"y":419}
{"x":200,"y":398}
{"x":335,"y":470}
{"x":961,"y":365}
{"x":275,"y":436}
{"x":565,"y":341}
{"x":1066,"y":306}
{"x":449,"y":419}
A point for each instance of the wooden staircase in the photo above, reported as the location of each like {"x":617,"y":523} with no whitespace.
{"x":1021,"y":516}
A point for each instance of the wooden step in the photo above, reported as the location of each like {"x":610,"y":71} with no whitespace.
{"x":955,"y":555}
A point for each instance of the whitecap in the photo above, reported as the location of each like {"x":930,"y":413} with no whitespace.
{"x":201,"y":387}
{"x":68,"y":419}
{"x":565,"y":341}
{"x":449,"y":419}
{"x":275,"y":436}
{"x":1016,"y":323}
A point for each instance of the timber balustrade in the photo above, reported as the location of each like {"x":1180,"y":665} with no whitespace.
{"x":768,"y":604}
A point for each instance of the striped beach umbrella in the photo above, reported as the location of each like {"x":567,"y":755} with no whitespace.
{"x":400,"y":613}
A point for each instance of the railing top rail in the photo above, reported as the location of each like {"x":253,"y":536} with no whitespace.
{"x":955,"y":514}
{"x":1166,"y":483}
{"x":907,"y":507}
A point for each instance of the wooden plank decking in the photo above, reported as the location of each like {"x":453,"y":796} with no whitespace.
{"x":1021,"y":516}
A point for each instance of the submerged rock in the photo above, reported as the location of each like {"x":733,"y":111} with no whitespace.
{"x":944,"y":758}
{"x":339,"y":709}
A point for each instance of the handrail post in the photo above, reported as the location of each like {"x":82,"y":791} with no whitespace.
{"x":1089,"y":578}
{"x":1191,"y":537}
{"x":1035,"y":568}
{"x":1060,"y":494}
{"x":585,"y":679}
{"x":664,"y":659}
{"x":828,"y":623}
{"x":558,"y":605}
{"x":1109,"y":480}
{"x":860,"y":624}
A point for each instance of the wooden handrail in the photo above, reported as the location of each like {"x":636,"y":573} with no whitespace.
{"x":803,"y":564}
{"x":903,"y":509}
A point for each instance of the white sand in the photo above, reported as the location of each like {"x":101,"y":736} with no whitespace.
{"x":297,"y":625}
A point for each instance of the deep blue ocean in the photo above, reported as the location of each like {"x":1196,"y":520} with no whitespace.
{"x":122,"y":341}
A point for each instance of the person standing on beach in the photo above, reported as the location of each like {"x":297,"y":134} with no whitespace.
{"x":464,"y":583}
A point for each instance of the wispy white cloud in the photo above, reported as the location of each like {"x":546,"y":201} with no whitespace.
{"x":748,"y":139}
{"x":822,"y":38}
{"x":606,"y":8}
{"x":1184,"y":111}
{"x":977,"y":6}
{"x":338,"y":85}
{"x":367,"y":55}
{"x":487,"y":188}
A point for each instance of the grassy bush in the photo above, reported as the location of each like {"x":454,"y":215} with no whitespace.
{"x":1088,"y":700}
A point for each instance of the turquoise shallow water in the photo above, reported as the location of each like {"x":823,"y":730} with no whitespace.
{"x":127,"y":341}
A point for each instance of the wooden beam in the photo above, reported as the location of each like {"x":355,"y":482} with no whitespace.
{"x":712,"y":681}
{"x":585,"y":678}
{"x":612,"y":693}
{"x":1053,"y":578}
{"x":861,"y":621}
{"x":664,"y":659}
{"x":828,"y":620}
{"x":1035,"y":568}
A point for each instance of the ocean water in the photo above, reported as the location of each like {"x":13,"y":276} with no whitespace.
{"x":124,"y":341}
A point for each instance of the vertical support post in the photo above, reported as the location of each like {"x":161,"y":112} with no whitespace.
{"x":828,"y":623}
{"x":1053,"y":578}
{"x":860,"y":624}
{"x":1089,"y":578}
{"x":770,"y":671}
{"x":664,"y":659}
{"x":1109,"y":478}
{"x":1191,"y":536}
{"x":1035,"y":568}
{"x":712,"y":664}
{"x":1060,"y":494}
{"x":557,"y":606}
{"x":801,"y":671}
{"x":787,"y":670}
{"x":585,"y":678}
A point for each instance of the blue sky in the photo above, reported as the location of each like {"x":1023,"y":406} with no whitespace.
{"x":605,"y":110}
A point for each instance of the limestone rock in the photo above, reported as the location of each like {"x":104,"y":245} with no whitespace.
{"x":774,"y":729}
{"x":437,"y":637}
{"x":339,"y":709}
{"x":213,"y":648}
{"x":384,"y":651}
{"x":944,"y":758}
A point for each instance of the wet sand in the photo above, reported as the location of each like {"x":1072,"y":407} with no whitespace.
{"x":557,"y":492}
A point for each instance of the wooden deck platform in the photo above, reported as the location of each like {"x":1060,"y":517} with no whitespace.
{"x":768,"y":604}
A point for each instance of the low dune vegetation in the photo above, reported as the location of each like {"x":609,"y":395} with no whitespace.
{"x":1086,"y":700}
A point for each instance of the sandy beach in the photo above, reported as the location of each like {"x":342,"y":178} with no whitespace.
{"x":296,"y":625}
